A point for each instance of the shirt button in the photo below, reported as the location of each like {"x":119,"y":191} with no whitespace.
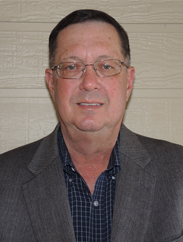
{"x":96,"y":203}
{"x":113,"y":177}
{"x":70,"y":180}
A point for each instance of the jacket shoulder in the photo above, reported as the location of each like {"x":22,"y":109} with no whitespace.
{"x":161,"y":148}
{"x":13,"y":165}
{"x":138,"y":147}
{"x":26,"y":151}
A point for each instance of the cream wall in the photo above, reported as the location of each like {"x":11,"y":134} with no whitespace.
{"x":155,"y":30}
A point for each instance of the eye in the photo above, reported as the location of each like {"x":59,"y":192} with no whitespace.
{"x":70,"y":67}
{"x":107,"y":67}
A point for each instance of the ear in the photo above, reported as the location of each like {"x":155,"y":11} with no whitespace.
{"x":130,"y":80}
{"x":50,"y":82}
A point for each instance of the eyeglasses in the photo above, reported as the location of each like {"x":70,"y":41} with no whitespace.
{"x":103,"y":68}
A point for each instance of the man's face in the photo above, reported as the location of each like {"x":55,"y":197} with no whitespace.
{"x":90,"y":103}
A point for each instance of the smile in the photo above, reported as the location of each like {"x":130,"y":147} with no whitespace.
{"x":90,"y":104}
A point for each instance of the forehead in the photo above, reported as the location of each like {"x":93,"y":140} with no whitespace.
{"x":90,"y":37}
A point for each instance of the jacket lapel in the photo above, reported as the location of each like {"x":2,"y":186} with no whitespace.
{"x":46,"y":195}
{"x":134,"y":191}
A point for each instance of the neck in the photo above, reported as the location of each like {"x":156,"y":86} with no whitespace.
{"x":90,"y":152}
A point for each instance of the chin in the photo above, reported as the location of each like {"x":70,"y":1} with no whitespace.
{"x":89,"y":126}
{"x":89,"y":129}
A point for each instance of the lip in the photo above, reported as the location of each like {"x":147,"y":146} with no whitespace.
{"x":90,"y":104}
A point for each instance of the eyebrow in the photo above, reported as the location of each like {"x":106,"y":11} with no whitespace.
{"x":72,"y":58}
{"x":105,"y":57}
{"x":77,"y":58}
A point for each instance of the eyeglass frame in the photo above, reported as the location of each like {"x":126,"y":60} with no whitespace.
{"x":84,"y":70}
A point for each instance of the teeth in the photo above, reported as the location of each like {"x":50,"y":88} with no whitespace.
{"x":90,"y":104}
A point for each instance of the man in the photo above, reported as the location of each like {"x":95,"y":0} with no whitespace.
{"x":91,"y":179}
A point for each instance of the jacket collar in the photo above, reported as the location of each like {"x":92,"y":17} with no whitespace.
{"x":46,"y":153}
{"x":131,"y":147}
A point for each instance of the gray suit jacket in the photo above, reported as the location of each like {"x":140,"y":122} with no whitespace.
{"x":148,"y":203}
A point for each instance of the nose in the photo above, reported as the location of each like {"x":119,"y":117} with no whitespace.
{"x":89,"y":80}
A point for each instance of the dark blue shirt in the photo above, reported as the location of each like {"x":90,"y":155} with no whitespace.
{"x":91,"y":214}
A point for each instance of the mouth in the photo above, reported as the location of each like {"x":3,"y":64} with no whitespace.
{"x":90,"y":104}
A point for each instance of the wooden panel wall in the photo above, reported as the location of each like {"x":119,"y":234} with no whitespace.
{"x":155,"y":30}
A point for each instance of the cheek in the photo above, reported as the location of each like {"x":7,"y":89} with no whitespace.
{"x":64,"y":91}
{"x":117,"y":92}
{"x":62,"y":99}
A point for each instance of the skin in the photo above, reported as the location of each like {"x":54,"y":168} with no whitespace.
{"x":90,"y":131}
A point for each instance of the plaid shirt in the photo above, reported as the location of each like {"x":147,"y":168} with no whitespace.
{"x":91,"y":214}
